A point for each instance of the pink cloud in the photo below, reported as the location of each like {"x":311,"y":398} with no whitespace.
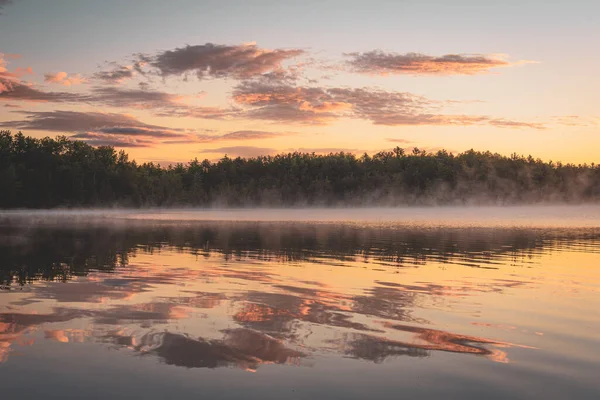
{"x":322,"y":105}
{"x":377,"y":62}
{"x":63,"y":78}
{"x":17,"y":73}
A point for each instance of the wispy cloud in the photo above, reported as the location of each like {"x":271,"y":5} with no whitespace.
{"x":242,"y":135}
{"x":119,"y":73}
{"x":231,"y":137}
{"x":134,"y":98}
{"x":63,"y":78}
{"x":322,"y":105}
{"x":287,"y":103}
{"x":186,"y":111}
{"x":96,"y":128}
{"x":575,"y":120}
{"x":160,"y":103}
{"x":503,"y":123}
{"x":74,"y":121}
{"x":398,"y":140}
{"x":98,"y":139}
{"x":11,"y":89}
{"x":18,"y":73}
{"x":381,"y":63}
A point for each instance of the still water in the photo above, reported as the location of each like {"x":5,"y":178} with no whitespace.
{"x":301,"y":304}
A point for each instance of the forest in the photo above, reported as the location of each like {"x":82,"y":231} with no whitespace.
{"x":60,"y":172}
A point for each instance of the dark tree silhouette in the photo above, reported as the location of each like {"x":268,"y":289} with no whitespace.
{"x":47,"y":173}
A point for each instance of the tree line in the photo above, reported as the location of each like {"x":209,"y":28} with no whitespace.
{"x":60,"y":172}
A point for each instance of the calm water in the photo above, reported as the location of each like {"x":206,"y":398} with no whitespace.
{"x":320,"y":304}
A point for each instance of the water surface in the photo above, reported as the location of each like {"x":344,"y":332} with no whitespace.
{"x":271,"y":304}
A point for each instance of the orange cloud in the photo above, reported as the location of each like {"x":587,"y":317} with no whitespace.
{"x":378,"y":62}
{"x":13,"y":89}
{"x":326,"y":106}
{"x":5,"y":74}
{"x":63,"y":78}
{"x":503,"y":123}
{"x":241,"y":135}
{"x":321,"y":105}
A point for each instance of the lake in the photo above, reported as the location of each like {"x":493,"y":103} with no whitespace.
{"x":464,"y":303}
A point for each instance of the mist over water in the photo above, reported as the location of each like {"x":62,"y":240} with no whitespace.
{"x":468,"y":302}
{"x":567,"y":216}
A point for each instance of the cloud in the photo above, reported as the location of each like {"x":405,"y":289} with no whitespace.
{"x":63,"y":78}
{"x":162,"y":104}
{"x":249,"y":135}
{"x":221,"y":61}
{"x":72,"y":121}
{"x":98,"y":139}
{"x":241,"y":151}
{"x":142,"y":130}
{"x":391,"y":119}
{"x":503,"y":123}
{"x":317,"y":105}
{"x":398,"y":140}
{"x":242,"y":135}
{"x":118,"y":74}
{"x":5,"y":74}
{"x":135,"y":98}
{"x":20,"y":91}
{"x":290,"y":114}
{"x":12,"y":88}
{"x":186,"y":111}
{"x":96,"y":128}
{"x":381,"y":63}
{"x":281,"y":102}
{"x":574,"y":120}
{"x":17,"y":73}
{"x":232,"y":136}
{"x":322,"y":105}
{"x":109,"y":96}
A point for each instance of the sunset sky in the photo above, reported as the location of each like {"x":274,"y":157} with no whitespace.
{"x":169,"y":81}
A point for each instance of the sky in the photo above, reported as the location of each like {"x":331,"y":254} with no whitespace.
{"x":173,"y":81}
